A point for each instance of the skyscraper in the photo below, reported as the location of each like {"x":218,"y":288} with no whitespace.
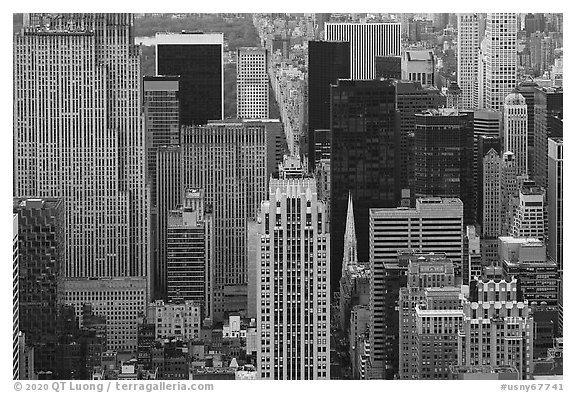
{"x":190,"y":252}
{"x":555,"y":199}
{"x":364,"y":159}
{"x":84,"y":141}
{"x":228,"y":160}
{"x":495,"y":313}
{"x":516,"y":130}
{"x":293,"y":293}
{"x":367,"y":40}
{"x":443,"y":150}
{"x":198,"y":59}
{"x":252,"y":86}
{"x":169,"y":193}
{"x":529,"y":215}
{"x":328,"y":61}
{"x":491,"y":216}
{"x":434,"y":225}
{"x":42,"y":252}
{"x":501,"y":58}
{"x":467,"y":49}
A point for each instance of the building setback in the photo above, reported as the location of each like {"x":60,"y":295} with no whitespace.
{"x":198,"y":59}
{"x":293,"y":268}
{"x":495,"y":313}
{"x":419,"y":66}
{"x":367,"y":40}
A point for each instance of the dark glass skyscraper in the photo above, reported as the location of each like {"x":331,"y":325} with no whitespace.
{"x":443,"y":151}
{"x":327,"y":62}
{"x":197,"y":59}
{"x":364,"y":159}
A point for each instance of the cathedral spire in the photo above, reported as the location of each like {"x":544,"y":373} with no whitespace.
{"x":350,"y":244}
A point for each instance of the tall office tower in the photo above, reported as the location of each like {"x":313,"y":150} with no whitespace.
{"x":467,"y":49}
{"x":487,"y":145}
{"x":418,"y":66}
{"x":228,"y":160}
{"x":412,"y":98}
{"x":177,"y":319}
{"x":190,"y":252}
{"x":252,"y":86}
{"x":162,"y":122}
{"x":443,"y":150}
{"x":491,"y":217}
{"x":516,"y":130}
{"x":42,"y":252}
{"x":434,"y":225}
{"x":161,"y":110}
{"x":480,"y":90}
{"x":15,"y":300}
{"x":502,"y":58}
{"x":198,"y":59}
{"x":367,"y":40}
{"x":293,"y":269}
{"x":169,"y":192}
{"x":495,"y":313}
{"x":328,"y":61}
{"x":548,"y":114}
{"x":525,"y":258}
{"x":364,"y":160}
{"x":83,"y":141}
{"x":529,"y":215}
{"x":388,"y":67}
{"x":430,"y":281}
{"x":121,"y":299}
{"x":555,"y":199}
{"x":527,"y":88}
{"x":510,"y":189}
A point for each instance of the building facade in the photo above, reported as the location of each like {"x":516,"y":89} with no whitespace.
{"x":467,"y":49}
{"x":367,"y":40}
{"x":178,"y":319}
{"x":252,"y":85}
{"x":419,"y":66}
{"x":293,"y":296}
{"x":198,"y":59}
{"x":501,"y":58}
{"x":516,"y":130}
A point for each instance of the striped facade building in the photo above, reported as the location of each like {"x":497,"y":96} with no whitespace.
{"x":367,"y":41}
{"x":228,"y":160}
{"x":78,"y":135}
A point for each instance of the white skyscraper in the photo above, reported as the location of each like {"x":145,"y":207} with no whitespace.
{"x":502,"y":57}
{"x":516,"y":130}
{"x":468,"y":46}
{"x":252,"y":87}
{"x":293,"y":293}
{"x":529,"y":215}
{"x":78,"y":135}
{"x":367,"y":40}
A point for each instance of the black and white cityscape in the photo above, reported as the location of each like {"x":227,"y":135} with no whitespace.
{"x":287,"y":196}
